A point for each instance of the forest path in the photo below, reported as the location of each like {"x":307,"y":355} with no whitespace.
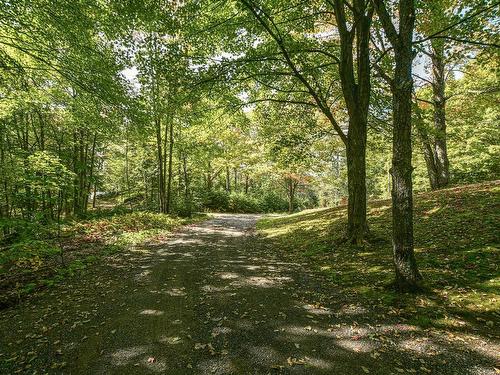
{"x":212,"y":299}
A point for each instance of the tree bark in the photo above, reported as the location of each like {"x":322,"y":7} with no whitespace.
{"x":407,"y":275}
{"x":357,"y":97}
{"x":291,"y":186}
{"x":170,"y":157}
{"x":439,"y":100}
{"x":228,"y":179}
{"x":161,"y":178}
{"x":427,"y":148}
{"x":356,"y":184}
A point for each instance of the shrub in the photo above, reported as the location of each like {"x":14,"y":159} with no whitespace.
{"x":216,"y":200}
{"x":272,"y":202}
{"x":240,"y":202}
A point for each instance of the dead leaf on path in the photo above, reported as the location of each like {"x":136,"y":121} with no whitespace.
{"x":295,"y":361}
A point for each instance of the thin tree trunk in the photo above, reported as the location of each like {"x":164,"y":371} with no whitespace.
{"x":170,"y":156}
{"x":228,"y":179}
{"x":291,"y":194}
{"x":161,"y":180}
{"x":439,"y":100}
{"x":187,"y":198}
{"x":407,"y":275}
{"x":427,"y":148}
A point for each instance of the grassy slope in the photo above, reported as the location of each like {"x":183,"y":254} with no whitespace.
{"x":457,"y":248}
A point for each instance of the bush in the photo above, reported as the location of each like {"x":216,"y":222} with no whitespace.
{"x":216,"y":200}
{"x":240,"y":202}
{"x":28,"y":254}
{"x":222,"y":201}
{"x":272,"y":202}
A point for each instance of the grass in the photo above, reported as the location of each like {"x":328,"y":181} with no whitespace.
{"x":31,"y":264}
{"x":457,"y":248}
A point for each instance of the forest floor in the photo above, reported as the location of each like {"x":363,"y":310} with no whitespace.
{"x":217,"y":297}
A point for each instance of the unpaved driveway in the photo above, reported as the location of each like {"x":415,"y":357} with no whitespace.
{"x":214,"y":299}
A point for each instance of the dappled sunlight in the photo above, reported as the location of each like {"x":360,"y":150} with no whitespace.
{"x":352,"y":310}
{"x":176,"y":292}
{"x":185,"y":241}
{"x":261,"y":281}
{"x":212,"y":288}
{"x":143,"y":275}
{"x":220,"y":365}
{"x":318,"y":363}
{"x":205,"y":308}
{"x":228,"y":275}
{"x":423,"y":346}
{"x":123,"y":357}
{"x":152,"y":312}
{"x":358,"y":346}
{"x":264,"y":355}
{"x":171,"y":340}
{"x":311,"y":309}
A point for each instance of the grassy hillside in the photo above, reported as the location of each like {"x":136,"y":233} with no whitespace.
{"x":457,"y":248}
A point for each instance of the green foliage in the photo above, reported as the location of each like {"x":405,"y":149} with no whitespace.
{"x":216,"y":200}
{"x":241,"y":202}
{"x":27,"y":255}
{"x":273,"y":202}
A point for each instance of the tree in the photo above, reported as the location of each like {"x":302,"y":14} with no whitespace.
{"x":407,"y":274}
{"x":305,"y":56}
{"x":451,"y":32}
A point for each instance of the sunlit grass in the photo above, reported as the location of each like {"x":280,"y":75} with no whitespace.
{"x":457,"y":247}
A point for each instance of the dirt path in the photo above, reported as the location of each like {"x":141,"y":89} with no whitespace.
{"x":213,"y":300}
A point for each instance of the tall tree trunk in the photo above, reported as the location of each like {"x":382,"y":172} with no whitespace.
{"x":357,"y":97}
{"x":187,"y":195}
{"x":356,"y":183}
{"x":170,"y":156}
{"x":291,"y":185}
{"x":209,"y":177}
{"x":91,"y":173}
{"x":228,"y":179}
{"x":161,"y":179}
{"x":439,"y":100}
{"x":407,"y":275}
{"x":427,"y":148}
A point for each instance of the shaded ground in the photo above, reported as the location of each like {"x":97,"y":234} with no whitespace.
{"x":216,"y":298}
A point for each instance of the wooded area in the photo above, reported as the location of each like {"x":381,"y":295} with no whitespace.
{"x":155,"y":108}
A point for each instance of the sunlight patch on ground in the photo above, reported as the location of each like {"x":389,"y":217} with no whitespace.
{"x":124,"y":356}
{"x":176,"y":292}
{"x":421,"y":346}
{"x":170,"y":340}
{"x":261,"y":281}
{"x":357,"y":346}
{"x":228,"y":275}
{"x":317,"y":310}
{"x":152,"y":312}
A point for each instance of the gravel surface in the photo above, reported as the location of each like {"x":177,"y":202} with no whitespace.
{"x":216,"y":299}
